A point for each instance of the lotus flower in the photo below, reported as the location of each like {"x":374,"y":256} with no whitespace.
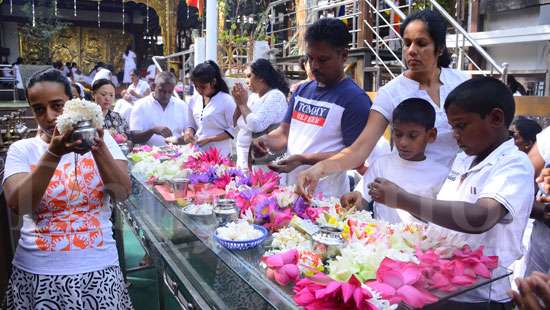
{"x":265,"y":179}
{"x":398,"y":281}
{"x":282,"y":267}
{"x":321,"y":292}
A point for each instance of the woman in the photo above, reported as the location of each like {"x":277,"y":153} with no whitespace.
{"x":103,"y":93}
{"x":427,"y":77}
{"x":129,"y":58}
{"x":66,"y":256}
{"x":211,"y":110}
{"x":138,"y":88}
{"x":525,"y":131}
{"x":266,"y":106}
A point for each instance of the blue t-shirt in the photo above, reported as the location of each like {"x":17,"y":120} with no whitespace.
{"x":326,"y":119}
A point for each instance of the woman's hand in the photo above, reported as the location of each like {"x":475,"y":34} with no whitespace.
{"x":240,"y":94}
{"x":62,"y":144}
{"x":99,"y":144}
{"x":307,"y":181}
{"x":189,"y":137}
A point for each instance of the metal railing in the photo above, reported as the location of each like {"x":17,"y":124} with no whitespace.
{"x":386,"y":41}
{"x":462,"y":59}
{"x":187,"y":64}
{"x":8,"y":76}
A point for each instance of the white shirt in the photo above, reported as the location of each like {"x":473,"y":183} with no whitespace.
{"x":444,"y":148}
{"x":151,"y":71}
{"x":264,"y":111}
{"x":124,"y":108}
{"x":148,"y":113}
{"x":141,"y":88}
{"x":538,"y":258}
{"x":70,"y":233}
{"x":213,"y":119}
{"x":423,"y":178}
{"x":506,"y":175}
{"x":381,"y":148}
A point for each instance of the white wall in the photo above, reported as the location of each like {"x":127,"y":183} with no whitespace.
{"x":512,"y":19}
{"x":10,"y":39}
{"x":523,"y":56}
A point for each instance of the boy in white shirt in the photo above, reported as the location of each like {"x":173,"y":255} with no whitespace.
{"x":488,"y":194}
{"x":407,"y":166}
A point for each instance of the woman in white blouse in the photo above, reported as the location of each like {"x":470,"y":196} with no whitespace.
{"x":266,"y":105}
{"x":428,"y":76}
{"x":210,"y":110}
{"x":138,"y":88}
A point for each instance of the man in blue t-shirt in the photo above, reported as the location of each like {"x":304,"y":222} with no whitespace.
{"x":325,"y":115}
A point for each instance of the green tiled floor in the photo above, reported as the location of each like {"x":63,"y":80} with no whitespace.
{"x":143,"y":289}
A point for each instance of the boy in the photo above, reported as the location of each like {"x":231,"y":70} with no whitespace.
{"x":412,"y":129}
{"x":488,"y":194}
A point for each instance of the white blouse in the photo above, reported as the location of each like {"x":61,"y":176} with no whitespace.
{"x":264,"y":111}
{"x":213,"y":119}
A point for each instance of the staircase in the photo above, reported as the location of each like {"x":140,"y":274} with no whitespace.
{"x":374,"y":26}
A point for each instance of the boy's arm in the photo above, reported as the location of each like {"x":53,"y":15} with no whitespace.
{"x":473,"y":218}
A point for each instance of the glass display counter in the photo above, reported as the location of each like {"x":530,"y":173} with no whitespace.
{"x":200,"y":273}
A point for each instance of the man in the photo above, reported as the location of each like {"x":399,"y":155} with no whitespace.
{"x":324,"y":115}
{"x":159,"y":115}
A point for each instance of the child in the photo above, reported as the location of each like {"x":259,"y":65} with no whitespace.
{"x":488,"y":193}
{"x":412,"y":129}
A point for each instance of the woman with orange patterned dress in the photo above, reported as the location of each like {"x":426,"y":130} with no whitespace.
{"x":66,"y":257}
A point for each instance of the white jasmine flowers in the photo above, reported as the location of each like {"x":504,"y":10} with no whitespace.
{"x":78,"y":110}
{"x":290,"y":238}
{"x":238,"y":231}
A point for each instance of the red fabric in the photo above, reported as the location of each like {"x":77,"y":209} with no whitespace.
{"x":199,"y":4}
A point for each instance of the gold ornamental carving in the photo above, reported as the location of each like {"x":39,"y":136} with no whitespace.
{"x":84,"y":46}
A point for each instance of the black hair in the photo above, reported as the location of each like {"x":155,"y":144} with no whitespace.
{"x":128,"y":48}
{"x":78,"y":89}
{"x":208,"y":72}
{"x":527,"y":128}
{"x":436,"y":27}
{"x":302,"y":62}
{"x":58,"y":65}
{"x":516,"y":86}
{"x":482,"y":95}
{"x":110,"y":67}
{"x":416,"y":111}
{"x":330,"y":30}
{"x":136,"y":72}
{"x":68,"y":65}
{"x":50,"y":75}
{"x":74,"y":64}
{"x":100,"y":83}
{"x":264,"y":70}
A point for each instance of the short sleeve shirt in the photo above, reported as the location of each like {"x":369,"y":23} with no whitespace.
{"x":148,"y":113}
{"x":326,"y":119}
{"x":445,"y":148}
{"x":71,"y":231}
{"x":506,"y":175}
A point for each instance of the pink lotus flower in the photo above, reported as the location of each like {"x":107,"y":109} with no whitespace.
{"x":282,"y":267}
{"x":222,"y":181}
{"x":119,"y":138}
{"x":205,"y":160}
{"x":279,"y":218}
{"x":398,"y":281}
{"x":313,"y":213}
{"x":267,"y":180}
{"x":321,"y":292}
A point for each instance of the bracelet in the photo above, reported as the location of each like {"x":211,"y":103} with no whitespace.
{"x":52,"y":153}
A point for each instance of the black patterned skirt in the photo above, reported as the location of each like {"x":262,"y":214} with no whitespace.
{"x":103,"y":289}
